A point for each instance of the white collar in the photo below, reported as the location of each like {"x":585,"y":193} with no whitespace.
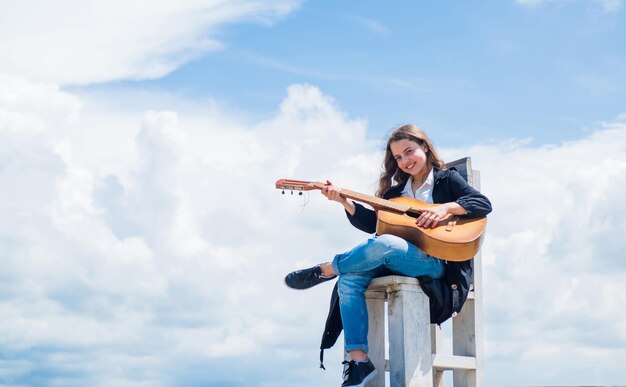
{"x":408,"y":187}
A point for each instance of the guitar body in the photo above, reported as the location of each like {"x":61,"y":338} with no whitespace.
{"x":454,"y":238}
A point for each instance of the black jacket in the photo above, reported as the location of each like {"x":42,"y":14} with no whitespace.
{"x":446,"y":294}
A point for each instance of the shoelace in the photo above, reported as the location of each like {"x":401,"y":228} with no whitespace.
{"x":347,"y":368}
{"x":312,"y":275}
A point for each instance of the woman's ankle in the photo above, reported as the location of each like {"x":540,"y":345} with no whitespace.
{"x":358,"y":355}
{"x":327,"y":269}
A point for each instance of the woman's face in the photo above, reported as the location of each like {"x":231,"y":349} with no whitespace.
{"x":410,"y":156}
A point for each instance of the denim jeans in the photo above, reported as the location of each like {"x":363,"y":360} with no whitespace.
{"x":378,"y":256}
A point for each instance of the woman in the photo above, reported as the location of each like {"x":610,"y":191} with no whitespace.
{"x":411,"y":168}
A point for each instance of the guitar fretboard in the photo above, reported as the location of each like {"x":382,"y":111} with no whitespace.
{"x":375,"y":201}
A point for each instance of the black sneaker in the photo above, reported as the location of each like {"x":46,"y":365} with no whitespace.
{"x":306,"y":278}
{"x":357,"y":374}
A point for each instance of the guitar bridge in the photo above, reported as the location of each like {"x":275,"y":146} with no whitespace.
{"x":451,"y":223}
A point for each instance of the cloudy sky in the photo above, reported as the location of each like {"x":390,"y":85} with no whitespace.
{"x":142,"y":242}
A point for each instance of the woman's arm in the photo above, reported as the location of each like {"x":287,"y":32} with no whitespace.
{"x":476,"y":204}
{"x":334,"y":193}
{"x":360,"y":217}
{"x":431,"y":216}
{"x":364,"y":219}
{"x":459,"y":199}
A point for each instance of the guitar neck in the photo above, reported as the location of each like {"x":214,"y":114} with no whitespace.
{"x":375,"y":202}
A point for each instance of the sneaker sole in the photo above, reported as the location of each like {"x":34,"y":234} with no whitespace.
{"x":285,"y":283}
{"x":367,"y":379}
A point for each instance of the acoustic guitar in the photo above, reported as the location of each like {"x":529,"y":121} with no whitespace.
{"x":452,"y":239}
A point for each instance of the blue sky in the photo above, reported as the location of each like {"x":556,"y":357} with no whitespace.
{"x":468,"y":71}
{"x":142,"y":241}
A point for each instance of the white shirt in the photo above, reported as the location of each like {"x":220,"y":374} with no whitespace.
{"x":423,"y":193}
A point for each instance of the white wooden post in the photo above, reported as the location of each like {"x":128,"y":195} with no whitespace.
{"x":410,"y":357}
{"x":467,"y":326}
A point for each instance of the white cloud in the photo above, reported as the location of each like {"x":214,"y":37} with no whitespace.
{"x":158,"y":240}
{"x":610,"y":5}
{"x":27,"y":108}
{"x":607,"y":5}
{"x":169,"y":250}
{"x":553,"y":264}
{"x":83,"y":42}
{"x":530,"y":3}
{"x":372,"y":25}
{"x":596,"y":85}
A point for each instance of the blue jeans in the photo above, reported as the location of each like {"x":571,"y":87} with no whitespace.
{"x":378,"y":256}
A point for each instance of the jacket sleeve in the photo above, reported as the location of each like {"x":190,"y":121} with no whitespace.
{"x":364,"y":219}
{"x":475,"y":203}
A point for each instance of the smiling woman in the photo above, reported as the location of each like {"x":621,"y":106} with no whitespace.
{"x":412,"y":169}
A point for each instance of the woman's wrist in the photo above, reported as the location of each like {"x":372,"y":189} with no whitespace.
{"x":349,"y":206}
{"x":454,"y":208}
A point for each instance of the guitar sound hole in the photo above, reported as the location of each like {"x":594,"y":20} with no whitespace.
{"x":413,"y":213}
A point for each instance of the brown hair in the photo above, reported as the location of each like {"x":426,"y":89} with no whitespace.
{"x":391,"y":174}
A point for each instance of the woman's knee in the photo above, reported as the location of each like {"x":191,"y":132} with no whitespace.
{"x":392,"y":243}
{"x":353,"y":283}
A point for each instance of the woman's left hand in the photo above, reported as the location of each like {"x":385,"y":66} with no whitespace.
{"x":430,"y":217}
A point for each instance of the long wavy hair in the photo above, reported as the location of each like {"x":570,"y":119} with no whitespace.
{"x":391,"y":174}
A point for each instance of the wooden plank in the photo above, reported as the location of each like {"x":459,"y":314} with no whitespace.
{"x":381,"y":283}
{"x":464,"y":167}
{"x":467,"y":325}
{"x":478,"y":306}
{"x":454,"y":362}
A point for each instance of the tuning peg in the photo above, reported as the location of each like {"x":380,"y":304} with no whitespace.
{"x":300,"y":193}
{"x":283,"y":192}
{"x":292,"y":192}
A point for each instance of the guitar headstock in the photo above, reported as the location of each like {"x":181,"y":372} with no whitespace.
{"x":298,"y":185}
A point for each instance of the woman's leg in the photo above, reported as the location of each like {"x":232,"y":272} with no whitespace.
{"x":378,"y":256}
{"x":394,"y":253}
{"x":351,"y":288}
{"x":390,"y":251}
